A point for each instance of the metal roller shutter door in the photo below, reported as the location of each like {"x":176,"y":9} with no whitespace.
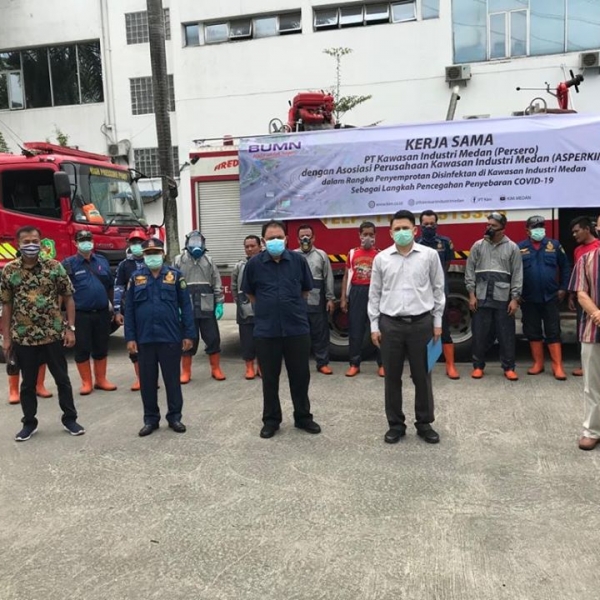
{"x":219,"y":218}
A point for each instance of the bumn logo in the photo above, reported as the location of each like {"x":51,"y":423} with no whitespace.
{"x":275,"y":147}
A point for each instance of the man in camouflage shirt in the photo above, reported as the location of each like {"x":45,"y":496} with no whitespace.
{"x":31,"y":291}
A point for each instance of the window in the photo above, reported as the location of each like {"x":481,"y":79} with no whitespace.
{"x":51,"y":76}
{"x":219,"y":32}
{"x":240,"y":29}
{"x":11,"y":88}
{"x":191,"y":34}
{"x":290,"y":23}
{"x":36,"y":73}
{"x":265,"y":27}
{"x":547,"y":25}
{"x":327,"y":18}
{"x":63,"y":65}
{"x":245,"y":28}
{"x":430,"y":9}
{"x":354,"y":15}
{"x":403,"y":11}
{"x":377,"y":13}
{"x":146,"y":161}
{"x":31,"y":192}
{"x":90,"y":72}
{"x":583,"y":25}
{"x":142,"y":95}
{"x":136,"y":26}
{"x":494,"y":29}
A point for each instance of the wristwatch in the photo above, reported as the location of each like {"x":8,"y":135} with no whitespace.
{"x":71,"y":327}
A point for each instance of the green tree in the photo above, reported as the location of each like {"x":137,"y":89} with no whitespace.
{"x":343,"y":104}
{"x":3,"y":145}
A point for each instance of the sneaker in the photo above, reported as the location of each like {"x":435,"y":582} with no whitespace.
{"x":74,"y":428}
{"x":25,"y":433}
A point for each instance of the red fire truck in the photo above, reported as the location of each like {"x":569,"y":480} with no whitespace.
{"x":216,"y":212}
{"x":64,"y":190}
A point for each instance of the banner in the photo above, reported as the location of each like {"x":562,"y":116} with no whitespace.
{"x":544,"y":161}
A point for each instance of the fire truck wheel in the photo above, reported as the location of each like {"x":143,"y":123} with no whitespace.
{"x":459,"y":317}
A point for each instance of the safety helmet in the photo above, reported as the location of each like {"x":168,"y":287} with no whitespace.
{"x":138,"y":234}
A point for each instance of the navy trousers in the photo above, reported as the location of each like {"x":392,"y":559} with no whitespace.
{"x":168,"y":356}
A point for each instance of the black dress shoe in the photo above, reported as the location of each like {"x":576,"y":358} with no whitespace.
{"x":429,"y":435}
{"x":268,"y":431}
{"x":393,"y":435}
{"x":308,"y":426}
{"x":177,"y":427}
{"x":147,"y":430}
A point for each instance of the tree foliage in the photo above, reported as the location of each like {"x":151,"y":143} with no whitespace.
{"x":3,"y":145}
{"x":343,"y":104}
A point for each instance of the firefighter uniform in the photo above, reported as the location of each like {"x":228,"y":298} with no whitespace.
{"x":94,"y":287}
{"x":158,"y":317}
{"x":445,"y":249}
{"x":206,"y":292}
{"x":322,"y":274}
{"x":244,"y":317}
{"x":125,"y":270}
{"x":546,"y":270}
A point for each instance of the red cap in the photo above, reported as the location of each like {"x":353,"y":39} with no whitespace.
{"x":137,"y":234}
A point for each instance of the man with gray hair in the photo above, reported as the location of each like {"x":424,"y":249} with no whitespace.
{"x":494,"y":280}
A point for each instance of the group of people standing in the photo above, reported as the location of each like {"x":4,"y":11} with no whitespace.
{"x":283,"y":300}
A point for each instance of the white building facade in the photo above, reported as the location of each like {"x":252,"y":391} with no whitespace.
{"x":82,"y":67}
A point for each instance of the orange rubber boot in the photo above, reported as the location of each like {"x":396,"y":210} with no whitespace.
{"x":250,"y":374}
{"x":511,"y":375}
{"x":556,"y":357}
{"x":85,"y":372}
{"x":537,"y":353}
{"x":40,"y":388}
{"x":14,"y":397}
{"x":135,"y":386}
{"x":451,"y":371}
{"x":352,"y":371}
{"x":215,"y":367}
{"x":100,"y":375}
{"x":186,"y":369}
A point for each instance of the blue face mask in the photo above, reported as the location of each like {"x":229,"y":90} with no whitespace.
{"x":136,"y":249}
{"x":85,"y":246}
{"x":275,"y":247}
{"x":196,"y":251}
{"x":153,"y":261}
{"x":404,"y":237}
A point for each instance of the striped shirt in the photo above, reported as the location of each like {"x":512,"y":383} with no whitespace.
{"x":586,"y":278}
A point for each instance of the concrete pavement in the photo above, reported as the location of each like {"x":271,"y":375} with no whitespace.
{"x":506,"y":506}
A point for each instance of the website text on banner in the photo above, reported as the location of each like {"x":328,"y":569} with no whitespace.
{"x":527,"y":162}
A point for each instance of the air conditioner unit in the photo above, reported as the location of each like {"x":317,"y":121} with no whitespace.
{"x":458,"y":74}
{"x":119,"y":149}
{"x":589,"y":60}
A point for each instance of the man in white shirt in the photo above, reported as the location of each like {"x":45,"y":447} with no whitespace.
{"x":406,"y":304}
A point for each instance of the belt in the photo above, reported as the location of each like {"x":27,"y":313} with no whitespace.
{"x":98,"y":310}
{"x":409,"y":319}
